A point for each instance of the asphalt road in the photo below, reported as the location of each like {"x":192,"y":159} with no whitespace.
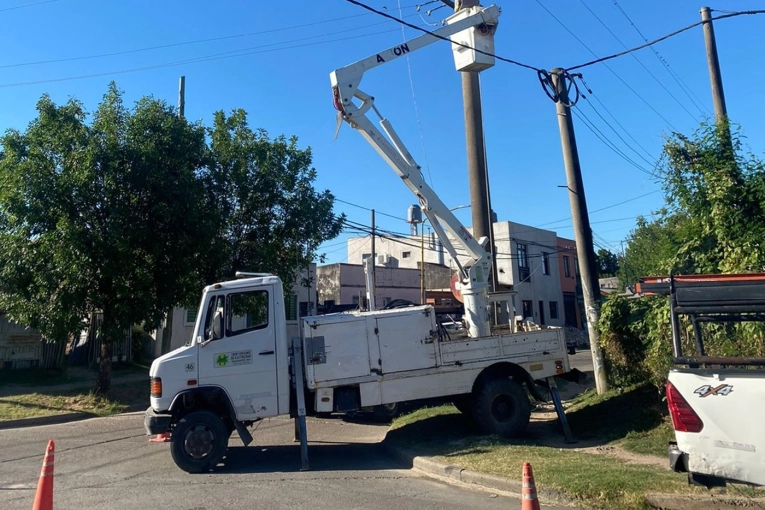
{"x":109,"y":463}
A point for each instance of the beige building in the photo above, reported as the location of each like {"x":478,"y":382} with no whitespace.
{"x":527,"y":261}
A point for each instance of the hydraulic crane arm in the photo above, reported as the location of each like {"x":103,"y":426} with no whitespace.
{"x":474,"y":275}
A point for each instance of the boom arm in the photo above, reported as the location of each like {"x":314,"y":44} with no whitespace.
{"x":345,"y":82}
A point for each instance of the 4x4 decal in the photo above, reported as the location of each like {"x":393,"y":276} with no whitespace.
{"x":706,"y":390}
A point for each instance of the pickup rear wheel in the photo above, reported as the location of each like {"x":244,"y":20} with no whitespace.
{"x":199,"y":441}
{"x":501,"y":407}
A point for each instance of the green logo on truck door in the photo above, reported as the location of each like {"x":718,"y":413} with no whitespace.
{"x":233,"y":359}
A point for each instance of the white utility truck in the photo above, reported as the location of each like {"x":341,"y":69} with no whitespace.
{"x":241,"y":366}
{"x":717,"y":402}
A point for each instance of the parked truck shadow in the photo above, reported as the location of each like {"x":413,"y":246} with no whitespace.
{"x":323,"y":457}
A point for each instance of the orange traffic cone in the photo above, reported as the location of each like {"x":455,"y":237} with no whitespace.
{"x":529,"y":499}
{"x":44,"y":495}
{"x":164,"y":437}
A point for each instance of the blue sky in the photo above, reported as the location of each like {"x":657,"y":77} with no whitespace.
{"x":274,"y":61}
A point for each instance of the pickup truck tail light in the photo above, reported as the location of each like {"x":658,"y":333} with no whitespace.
{"x":684,"y":418}
{"x":156,"y":387}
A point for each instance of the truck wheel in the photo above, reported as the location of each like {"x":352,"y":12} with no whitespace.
{"x":386,"y":412}
{"x":464,"y":404}
{"x":502,"y":407}
{"x":199,"y":441}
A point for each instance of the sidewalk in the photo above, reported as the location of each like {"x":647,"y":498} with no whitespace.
{"x":85,"y":380}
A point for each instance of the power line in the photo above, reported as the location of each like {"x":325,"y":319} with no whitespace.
{"x":638,"y":60}
{"x":607,"y":66}
{"x":199,"y":41}
{"x":652,"y":163}
{"x":663,"y":38}
{"x":683,"y":86}
{"x":614,"y":118}
{"x":368,"y":209}
{"x":599,"y":134}
{"x":437,"y":36}
{"x":28,"y":5}
{"x":208,"y":58}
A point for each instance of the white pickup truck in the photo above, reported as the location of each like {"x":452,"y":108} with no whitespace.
{"x":717,"y":403}
{"x":240,"y":367}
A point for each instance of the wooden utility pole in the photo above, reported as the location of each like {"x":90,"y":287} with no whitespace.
{"x":583,"y":233}
{"x":182,"y":97}
{"x":167,"y":331}
{"x":715,"y":77}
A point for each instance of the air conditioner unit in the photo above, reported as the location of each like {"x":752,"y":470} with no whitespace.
{"x":383,"y":259}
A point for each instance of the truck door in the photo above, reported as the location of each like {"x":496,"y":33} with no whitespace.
{"x":239,"y":352}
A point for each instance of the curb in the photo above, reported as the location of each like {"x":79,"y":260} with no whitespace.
{"x":57,"y":419}
{"x":658,"y":501}
{"x":457,"y":473}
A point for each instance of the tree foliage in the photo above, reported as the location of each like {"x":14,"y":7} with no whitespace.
{"x":99,"y":217}
{"x":267,"y":214}
{"x":607,"y":263}
{"x":713,"y":222}
{"x":129,"y":211}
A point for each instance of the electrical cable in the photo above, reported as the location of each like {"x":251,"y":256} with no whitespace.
{"x":368,"y":209}
{"x":663,"y":38}
{"x":618,"y":76}
{"x":414,"y":101}
{"x":683,"y":86}
{"x":639,"y":61}
{"x":207,"y":58}
{"x":198,"y":41}
{"x":615,"y":119}
{"x":648,"y":161}
{"x":437,"y":36}
{"x":28,"y":5}
{"x":599,"y":134}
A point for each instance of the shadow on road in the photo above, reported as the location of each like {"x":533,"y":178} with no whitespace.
{"x":322,"y":456}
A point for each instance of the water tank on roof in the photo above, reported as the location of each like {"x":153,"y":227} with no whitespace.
{"x":414,"y":214}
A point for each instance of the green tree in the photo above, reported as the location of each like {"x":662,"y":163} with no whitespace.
{"x":713,"y":222}
{"x":106,"y":217}
{"x":268,"y":215}
{"x":607,"y":263}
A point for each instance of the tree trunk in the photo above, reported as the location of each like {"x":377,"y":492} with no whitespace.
{"x":105,"y":366}
{"x":167,"y":332}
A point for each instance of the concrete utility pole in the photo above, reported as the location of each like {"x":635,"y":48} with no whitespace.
{"x":372,"y":264}
{"x":182,"y":97}
{"x":718,"y":95}
{"x":585,"y":251}
{"x":476,"y":154}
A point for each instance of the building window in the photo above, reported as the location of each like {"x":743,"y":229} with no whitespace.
{"x":528,"y":309}
{"x":545,"y":263}
{"x":553,"y":309}
{"x":365,"y":256}
{"x":576,"y":264}
{"x":406,"y":254}
{"x":191,"y":316}
{"x":290,"y":307}
{"x":566,"y":268}
{"x":523,"y":263}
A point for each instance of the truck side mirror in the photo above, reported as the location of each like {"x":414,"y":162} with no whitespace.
{"x":217,"y":332}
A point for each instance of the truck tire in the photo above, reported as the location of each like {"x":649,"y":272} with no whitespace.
{"x":199,"y":441}
{"x":386,"y":412}
{"x":464,"y":404}
{"x":501,"y":407}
